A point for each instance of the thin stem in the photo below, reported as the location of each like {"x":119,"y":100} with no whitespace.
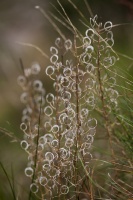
{"x":105,"y":115}
{"x":11,"y":185}
{"x":37,"y":142}
{"x":77,"y":120}
{"x":91,"y":186}
{"x":59,"y":134}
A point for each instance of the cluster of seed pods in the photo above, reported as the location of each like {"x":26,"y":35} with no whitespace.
{"x":106,"y":59}
{"x":70,"y":123}
{"x":58,"y":143}
{"x":99,"y":40}
{"x":33,"y":97}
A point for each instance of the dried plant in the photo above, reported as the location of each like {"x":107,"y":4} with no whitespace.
{"x":59,"y":128}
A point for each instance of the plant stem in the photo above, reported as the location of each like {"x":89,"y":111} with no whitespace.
{"x":105,"y":115}
{"x":77,"y":120}
{"x":37,"y":142}
{"x":59,"y":134}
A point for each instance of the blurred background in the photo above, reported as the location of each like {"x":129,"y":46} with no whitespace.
{"x":21,"y":23}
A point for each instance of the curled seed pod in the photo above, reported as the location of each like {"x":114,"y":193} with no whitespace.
{"x":85,"y":145}
{"x":89,"y":138}
{"x":87,"y":157}
{"x":40,"y":147}
{"x":26,"y":119}
{"x":23,"y":126}
{"x":112,"y":81}
{"x":37,"y":85}
{"x":55,"y":129}
{"x":86,"y":42}
{"x":64,"y":189}
{"x":27,"y":111}
{"x":34,"y":187}
{"x":90,"y":68}
{"x":69,"y":142}
{"x":50,"y":70}
{"x":84,"y":112}
{"x":89,"y":49}
{"x":53,"y":50}
{"x":50,"y":98}
{"x":64,"y":154}
{"x":58,"y":42}
{"x":113,"y":103}
{"x":108,"y":26}
{"x":66,"y":96}
{"x":29,"y":171}
{"x":58,"y":66}
{"x":49,"y":156}
{"x":93,"y":21}
{"x":107,"y":62}
{"x":109,"y":35}
{"x":39,"y":101}
{"x":90,"y":99}
{"x":48,"y":111}
{"x":21,"y":81}
{"x":43,"y":180}
{"x":71,"y":113}
{"x":48,"y":138}
{"x":70,"y":134}
{"x":89,"y":83}
{"x":92,"y":123}
{"x":24,"y":97}
{"x":113,"y":59}
{"x":86,"y":58}
{"x":42,"y":140}
{"x":69,"y":63}
{"x":67,"y":120}
{"x":53,"y":172}
{"x":113,"y":94}
{"x":35,"y":68}
{"x":102,"y":46}
{"x":80,"y":75}
{"x":62,"y":117}
{"x":89,"y":33}
{"x":46,"y":165}
{"x":68,"y":44}
{"x":65,"y":82}
{"x":51,"y":184}
{"x":75,"y":88}
{"x":55,"y":143}
{"x":67,"y":71}
{"x":54,"y":59}
{"x":57,"y":86}
{"x":27,"y":72}
{"x":24,"y":144}
{"x":110,"y":42}
{"x":47,"y":126}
